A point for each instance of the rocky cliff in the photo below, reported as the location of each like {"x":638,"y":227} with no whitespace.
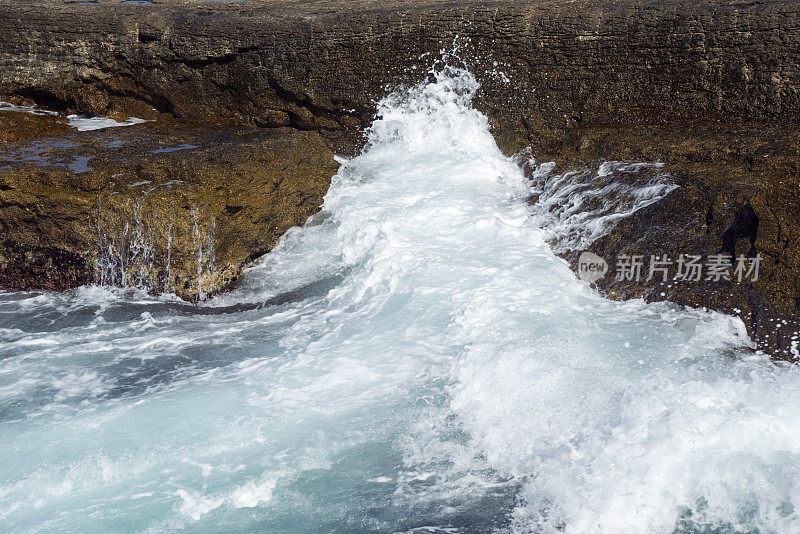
{"x":546,"y":66}
{"x":165,"y":206}
{"x":710,"y":88}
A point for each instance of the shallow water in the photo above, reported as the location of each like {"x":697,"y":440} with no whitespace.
{"x":414,"y":359}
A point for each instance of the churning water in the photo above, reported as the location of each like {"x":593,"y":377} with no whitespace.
{"x":415,"y":358}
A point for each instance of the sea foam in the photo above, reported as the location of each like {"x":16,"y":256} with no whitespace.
{"x":415,"y":358}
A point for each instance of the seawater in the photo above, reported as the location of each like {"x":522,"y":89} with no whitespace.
{"x":414,"y":359}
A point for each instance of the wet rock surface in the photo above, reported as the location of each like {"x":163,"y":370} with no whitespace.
{"x":34,"y":267}
{"x":711,"y":89}
{"x":166,"y":206}
{"x":16,"y":126}
{"x":738,"y":194}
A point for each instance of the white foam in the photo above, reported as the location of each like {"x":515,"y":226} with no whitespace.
{"x":195,"y":505}
{"x":248,"y":495}
{"x":85,"y":123}
{"x":425,"y":361}
{"x":82,"y":123}
{"x":74,"y":385}
{"x":578,"y":206}
{"x":33,"y":110}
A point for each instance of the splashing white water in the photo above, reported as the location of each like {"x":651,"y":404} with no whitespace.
{"x":577,"y":207}
{"x":424,"y":363}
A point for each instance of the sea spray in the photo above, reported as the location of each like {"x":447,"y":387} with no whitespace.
{"x":415,"y":358}
{"x":578,"y":206}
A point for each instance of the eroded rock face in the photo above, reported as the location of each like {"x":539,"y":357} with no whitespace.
{"x":167,"y":206}
{"x":35,"y":267}
{"x":737,"y":182}
{"x":546,"y":67}
{"x":711,"y":89}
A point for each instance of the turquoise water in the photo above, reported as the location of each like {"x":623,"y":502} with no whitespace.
{"x":414,"y":359}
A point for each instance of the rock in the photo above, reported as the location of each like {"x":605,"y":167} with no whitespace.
{"x":28,"y":267}
{"x":546,"y":67}
{"x":739,"y":191}
{"x":21,"y":126}
{"x":744,"y":226}
{"x":166,"y":206}
{"x":710,"y":88}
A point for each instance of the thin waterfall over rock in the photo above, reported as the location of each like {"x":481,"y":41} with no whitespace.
{"x":136,"y":230}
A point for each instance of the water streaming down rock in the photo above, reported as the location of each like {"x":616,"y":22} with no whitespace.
{"x":248,"y":185}
{"x":423,"y":363}
{"x":135,"y":231}
{"x":576,"y":207}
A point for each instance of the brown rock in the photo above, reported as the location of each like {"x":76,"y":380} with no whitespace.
{"x":15,"y":126}
{"x":164,"y":206}
{"x":719,"y":168}
{"x":546,"y":67}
